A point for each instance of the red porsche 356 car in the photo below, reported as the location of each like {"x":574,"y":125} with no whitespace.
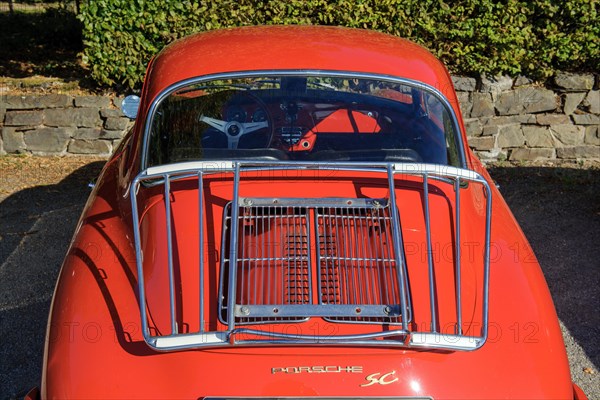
{"x":296,"y":214}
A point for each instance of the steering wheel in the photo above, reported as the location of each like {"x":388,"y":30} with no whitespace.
{"x":235,"y":126}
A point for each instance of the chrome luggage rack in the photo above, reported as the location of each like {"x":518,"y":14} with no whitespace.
{"x":319,"y":269}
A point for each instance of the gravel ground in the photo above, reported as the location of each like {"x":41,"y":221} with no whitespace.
{"x":41,"y":199}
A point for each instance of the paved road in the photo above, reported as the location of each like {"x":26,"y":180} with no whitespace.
{"x":563,"y":226}
{"x":36,"y":226}
{"x":559,"y":211}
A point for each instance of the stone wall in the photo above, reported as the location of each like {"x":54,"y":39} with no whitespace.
{"x":515,"y":119}
{"x":505,"y":118}
{"x":57,"y":124}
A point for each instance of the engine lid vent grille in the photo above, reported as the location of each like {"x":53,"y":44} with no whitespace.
{"x":298,"y":258}
{"x":356,"y":259}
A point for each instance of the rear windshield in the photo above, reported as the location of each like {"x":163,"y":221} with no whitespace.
{"x":307,"y":118}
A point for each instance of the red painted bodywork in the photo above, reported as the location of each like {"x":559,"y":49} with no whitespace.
{"x":94,"y":345}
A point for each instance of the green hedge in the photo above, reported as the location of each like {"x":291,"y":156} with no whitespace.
{"x":535,"y":37}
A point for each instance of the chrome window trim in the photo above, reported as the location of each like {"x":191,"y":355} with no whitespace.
{"x":301,"y":72}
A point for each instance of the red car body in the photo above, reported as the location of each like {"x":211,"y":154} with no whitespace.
{"x":173,"y":336}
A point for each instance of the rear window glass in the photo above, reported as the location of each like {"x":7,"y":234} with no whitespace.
{"x":303,"y":118}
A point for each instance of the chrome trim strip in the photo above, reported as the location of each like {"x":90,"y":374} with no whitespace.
{"x":191,"y":166}
{"x":177,"y":341}
{"x":443,"y":341}
{"x":228,"y":166}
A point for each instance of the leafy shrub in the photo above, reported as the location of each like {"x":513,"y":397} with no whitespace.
{"x":535,"y":37}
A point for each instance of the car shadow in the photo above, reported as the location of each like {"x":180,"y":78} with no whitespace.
{"x":559,"y":211}
{"x":557,"y":208}
{"x":36,"y":226}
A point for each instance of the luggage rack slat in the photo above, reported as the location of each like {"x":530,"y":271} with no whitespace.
{"x":233,"y":247}
{"x":457,"y":256}
{"x":398,"y":242}
{"x":339,"y":276}
{"x":167,"y":198}
{"x":429,"y":253}
{"x":201,"y":248}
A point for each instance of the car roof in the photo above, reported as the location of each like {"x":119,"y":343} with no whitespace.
{"x":294,"y":48}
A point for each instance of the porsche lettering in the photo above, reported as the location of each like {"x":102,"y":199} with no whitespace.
{"x":318,"y":369}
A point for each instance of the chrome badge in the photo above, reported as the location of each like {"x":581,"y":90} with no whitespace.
{"x":381,"y":379}
{"x":318,"y":369}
